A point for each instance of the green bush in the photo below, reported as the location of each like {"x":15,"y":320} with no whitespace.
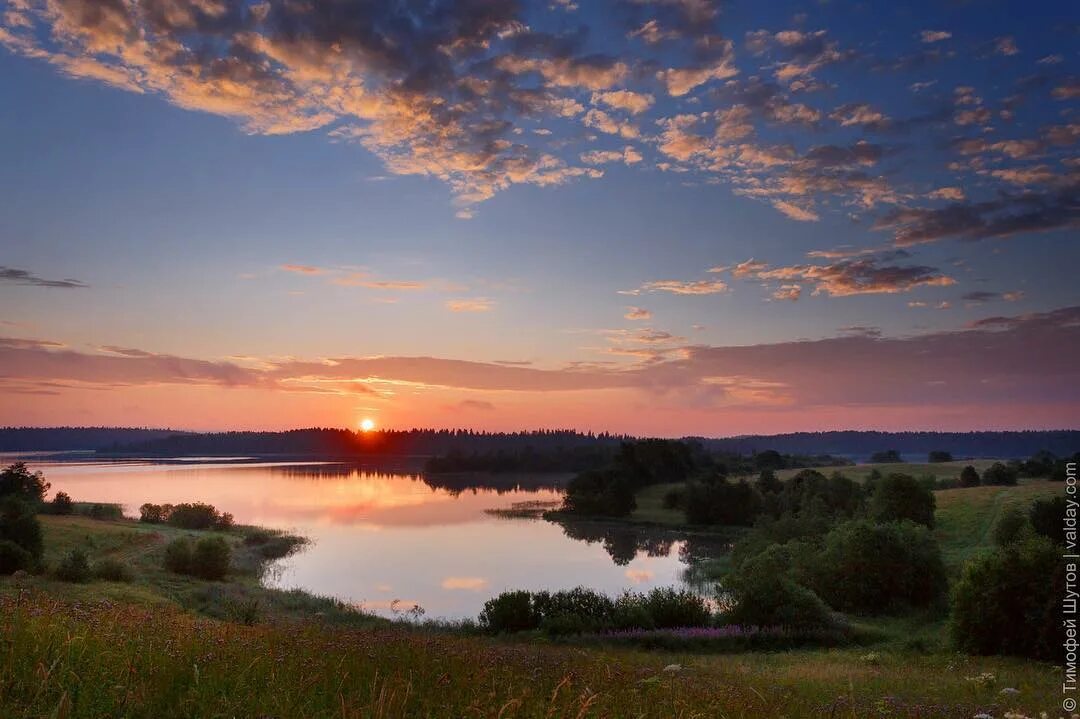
{"x":178,"y":556}
{"x":193,"y":515}
{"x":630,"y":612}
{"x":13,"y":558}
{"x":112,"y":570}
{"x":509,"y":612}
{"x":61,"y":504}
{"x":589,"y":608}
{"x":969,"y":477}
{"x":19,"y":482}
{"x":715,"y":500}
{"x":74,"y":567}
{"x":19,"y":525}
{"x":210,"y":558}
{"x":1000,"y":474}
{"x":670,"y":608}
{"x":871,"y":568}
{"x":600,"y":493}
{"x":765,"y":595}
{"x":1012,"y":526}
{"x":1009,"y":602}
{"x":898,"y":497}
{"x":154,"y":513}
{"x":1048,"y":519}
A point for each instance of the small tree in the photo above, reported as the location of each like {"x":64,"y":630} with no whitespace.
{"x":62,"y":504}
{"x":1048,"y":518}
{"x":178,"y":556}
{"x":969,"y":477}
{"x":1011,"y":527}
{"x":899,"y":497}
{"x":74,"y":567}
{"x":152,"y":513}
{"x":210,"y":558}
{"x":1000,"y":474}
{"x":19,"y":482}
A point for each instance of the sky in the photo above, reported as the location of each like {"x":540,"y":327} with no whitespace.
{"x":663,"y":217}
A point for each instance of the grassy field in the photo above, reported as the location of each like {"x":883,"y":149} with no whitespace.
{"x":170,"y":646}
{"x":860,"y":472}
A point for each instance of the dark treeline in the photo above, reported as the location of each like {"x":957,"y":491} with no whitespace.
{"x":514,"y":451}
{"x":912,"y":446}
{"x":57,"y":439}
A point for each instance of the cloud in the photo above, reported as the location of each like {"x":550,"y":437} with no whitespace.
{"x":13,"y":276}
{"x":680,"y":81}
{"x":982,"y":297}
{"x":846,"y":277}
{"x":930,"y":36}
{"x":628,"y":155}
{"x":679,"y":287}
{"x":795,"y":212}
{"x":633,"y":102}
{"x":304,"y":269}
{"x":469,"y":584}
{"x":1006,"y":46}
{"x":860,"y":115}
{"x":637,"y":313}
{"x":801,"y":54}
{"x":475,"y":405}
{"x":473,"y":304}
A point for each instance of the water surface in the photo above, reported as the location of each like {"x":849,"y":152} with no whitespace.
{"x":391,"y":539}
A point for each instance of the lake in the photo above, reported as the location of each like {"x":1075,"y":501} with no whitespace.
{"x":391,"y":538}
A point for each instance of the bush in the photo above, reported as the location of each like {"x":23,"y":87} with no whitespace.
{"x":939,"y":455}
{"x":104,"y":511}
{"x":1009,"y":602}
{"x":19,"y":525}
{"x":1012,"y":526}
{"x":889,"y":456}
{"x":1048,"y":519}
{"x":1000,"y":474}
{"x":193,"y":515}
{"x":154,"y":513}
{"x":873,"y":568}
{"x":600,"y":493}
{"x":112,"y":570}
{"x":811,"y":493}
{"x":899,"y":497}
{"x":714,"y":500}
{"x":509,"y":612}
{"x":573,"y":610}
{"x":765,"y":595}
{"x":210,"y":558}
{"x":61,"y":504}
{"x":969,"y":477}
{"x":19,"y":482}
{"x":13,"y":558}
{"x":74,"y":567}
{"x":178,"y":556}
{"x":669,"y":608}
{"x":630,"y":612}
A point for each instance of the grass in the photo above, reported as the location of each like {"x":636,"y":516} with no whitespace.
{"x":105,"y":659}
{"x":861,"y":472}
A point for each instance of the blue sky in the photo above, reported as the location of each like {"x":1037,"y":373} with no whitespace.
{"x":247,"y":185}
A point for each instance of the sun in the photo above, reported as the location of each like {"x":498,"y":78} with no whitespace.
{"x":367,"y":424}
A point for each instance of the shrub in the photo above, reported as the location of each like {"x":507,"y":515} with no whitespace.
{"x":210,"y":558}
{"x":811,"y":492}
{"x":19,"y":482}
{"x":104,"y":511}
{"x":1009,"y":602}
{"x":714,"y":500}
{"x":590,"y":609}
{"x":765,"y":595}
{"x":630,"y":612}
{"x":600,"y":493}
{"x":1000,"y":474}
{"x":899,"y":497}
{"x":969,"y":477}
{"x":1012,"y":526}
{"x":939,"y":455}
{"x":193,"y":515}
{"x":19,"y":525}
{"x":509,"y":612}
{"x":13,"y":557}
{"x":154,"y":513}
{"x":178,"y":556}
{"x":112,"y":570}
{"x":878,"y":568}
{"x":61,"y":504}
{"x":669,"y":608}
{"x":1047,"y":518}
{"x":889,"y":456}
{"x":74,"y":567}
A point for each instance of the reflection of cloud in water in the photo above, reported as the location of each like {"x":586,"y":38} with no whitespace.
{"x":471,"y":584}
{"x":638,"y":576}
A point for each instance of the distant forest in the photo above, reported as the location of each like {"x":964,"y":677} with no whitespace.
{"x":912,"y":446}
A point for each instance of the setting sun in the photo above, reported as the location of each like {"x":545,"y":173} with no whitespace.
{"x":367,"y":424}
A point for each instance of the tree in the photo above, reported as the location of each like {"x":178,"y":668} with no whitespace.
{"x":1009,"y":602}
{"x":899,"y":497}
{"x":1000,"y":474}
{"x":210,"y":558}
{"x":18,"y":481}
{"x":969,"y":477}
{"x":62,"y":504}
{"x":714,"y":500}
{"x":600,"y":492}
{"x":1011,"y":527}
{"x":765,"y":595}
{"x":939,"y":455}
{"x":888,"y":456}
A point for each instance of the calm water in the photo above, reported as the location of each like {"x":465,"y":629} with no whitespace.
{"x":378,"y":537}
